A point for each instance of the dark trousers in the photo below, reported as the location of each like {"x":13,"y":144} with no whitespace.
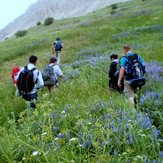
{"x":113,"y":84}
{"x":32,"y":98}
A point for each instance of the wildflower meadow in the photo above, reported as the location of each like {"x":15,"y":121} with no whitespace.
{"x":84,"y":121}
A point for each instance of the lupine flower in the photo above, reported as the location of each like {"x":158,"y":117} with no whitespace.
{"x":55,"y":129}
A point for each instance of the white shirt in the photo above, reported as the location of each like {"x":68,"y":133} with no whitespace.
{"x":37,"y":75}
{"x":57,"y":71}
{"x":116,"y":60}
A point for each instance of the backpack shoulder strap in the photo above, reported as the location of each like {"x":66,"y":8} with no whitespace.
{"x":135,"y":56}
{"x":132,"y":58}
{"x":33,"y":69}
{"x":25,"y":67}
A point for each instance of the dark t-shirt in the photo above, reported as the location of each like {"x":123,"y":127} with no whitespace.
{"x":113,"y":69}
{"x":113,"y":75}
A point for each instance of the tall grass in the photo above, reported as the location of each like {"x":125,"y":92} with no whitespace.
{"x":84,"y":121}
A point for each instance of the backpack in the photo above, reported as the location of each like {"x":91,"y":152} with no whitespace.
{"x":58,"y":45}
{"x":49,"y":77}
{"x":134,"y":71}
{"x":26,"y":80}
{"x":116,"y":77}
{"x":15,"y":71}
{"x":116,"y":74}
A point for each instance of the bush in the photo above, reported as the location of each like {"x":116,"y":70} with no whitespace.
{"x":49,"y":21}
{"x":112,"y":12}
{"x":114,"y":6}
{"x":38,"y":23}
{"x":21,"y":33}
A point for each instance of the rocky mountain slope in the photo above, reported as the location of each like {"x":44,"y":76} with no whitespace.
{"x":42,"y":9}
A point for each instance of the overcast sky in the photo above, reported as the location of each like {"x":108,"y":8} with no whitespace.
{"x":11,"y":9}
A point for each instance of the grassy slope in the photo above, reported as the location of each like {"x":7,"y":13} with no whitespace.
{"x":92,"y":33}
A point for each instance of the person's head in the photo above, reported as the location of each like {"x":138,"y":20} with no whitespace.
{"x":58,"y":39}
{"x":33,"y":59}
{"x":126,"y":49}
{"x":53,"y":60}
{"x":113,"y":57}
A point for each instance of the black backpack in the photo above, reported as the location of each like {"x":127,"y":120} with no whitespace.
{"x":134,"y":71}
{"x":26,"y":80}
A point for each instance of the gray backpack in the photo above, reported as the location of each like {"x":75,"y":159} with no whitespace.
{"x":49,"y":77}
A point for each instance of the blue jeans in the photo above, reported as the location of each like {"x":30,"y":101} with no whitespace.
{"x":32,"y":98}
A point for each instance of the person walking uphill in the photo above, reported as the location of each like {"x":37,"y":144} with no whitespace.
{"x":58,"y":48}
{"x":132,"y":70}
{"x":114,"y":74}
{"x":15,"y":72}
{"x":27,"y":79}
{"x":50,"y":75}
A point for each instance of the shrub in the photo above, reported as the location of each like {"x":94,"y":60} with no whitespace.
{"x":112,"y":12}
{"x":114,"y":6}
{"x":49,"y":21}
{"x":21,"y":33}
{"x":38,"y":23}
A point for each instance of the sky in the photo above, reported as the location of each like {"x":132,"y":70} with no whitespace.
{"x":11,"y":9}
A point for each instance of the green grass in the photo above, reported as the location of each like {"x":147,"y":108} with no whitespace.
{"x":89,"y":107}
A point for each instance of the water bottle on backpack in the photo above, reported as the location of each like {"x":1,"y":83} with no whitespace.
{"x":138,"y":71}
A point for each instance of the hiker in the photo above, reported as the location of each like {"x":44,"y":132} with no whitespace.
{"x":114,"y":73}
{"x":15,"y":72}
{"x":27,"y":81}
{"x":58,"y":48}
{"x":132,"y":70}
{"x":50,"y":75}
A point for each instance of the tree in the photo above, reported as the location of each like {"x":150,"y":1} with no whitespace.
{"x":49,"y":21}
{"x":21,"y":33}
{"x":114,"y":6}
{"x":38,"y":23}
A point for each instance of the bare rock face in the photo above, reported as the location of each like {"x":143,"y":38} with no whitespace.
{"x":58,"y":9}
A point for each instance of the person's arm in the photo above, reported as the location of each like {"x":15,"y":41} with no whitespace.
{"x":53,"y":49}
{"x":121,"y":75}
{"x":122,"y":71}
{"x":59,"y":72}
{"x":40,"y":80}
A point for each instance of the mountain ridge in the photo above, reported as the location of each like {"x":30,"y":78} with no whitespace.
{"x":42,"y":9}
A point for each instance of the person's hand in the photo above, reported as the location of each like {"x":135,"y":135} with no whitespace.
{"x":119,"y":84}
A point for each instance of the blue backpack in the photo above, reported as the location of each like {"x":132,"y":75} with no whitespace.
{"x":134,"y":71}
{"x":58,"y":45}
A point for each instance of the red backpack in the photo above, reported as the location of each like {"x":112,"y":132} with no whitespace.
{"x":15,"y":71}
